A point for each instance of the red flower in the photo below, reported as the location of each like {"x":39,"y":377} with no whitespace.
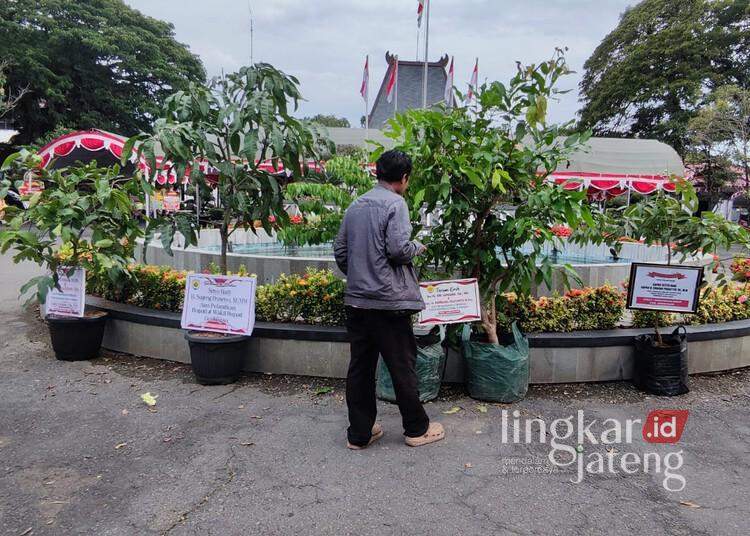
{"x":561,"y":230}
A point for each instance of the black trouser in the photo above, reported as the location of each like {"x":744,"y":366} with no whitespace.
{"x":373,"y":332}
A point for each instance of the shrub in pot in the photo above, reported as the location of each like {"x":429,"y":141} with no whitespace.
{"x":231,"y":126}
{"x":82,"y":219}
{"x":479,"y":166}
{"x":660,"y":363}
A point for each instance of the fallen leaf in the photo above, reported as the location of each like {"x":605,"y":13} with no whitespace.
{"x":242,"y":406}
{"x":453,"y":410}
{"x":690,"y":504}
{"x":120,"y":445}
{"x":256,"y":417}
{"x":125,"y":412}
{"x":247,"y":444}
{"x":468,"y":466}
{"x":482,"y":408}
{"x":324,"y":391}
{"x":478,"y":432}
{"x":27,"y":531}
{"x":149,"y":399}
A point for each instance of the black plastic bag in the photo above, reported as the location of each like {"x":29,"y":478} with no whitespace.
{"x":662,"y":370}
{"x":496,"y":373}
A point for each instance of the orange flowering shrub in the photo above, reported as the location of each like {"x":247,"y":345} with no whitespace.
{"x":741,"y":269}
{"x":578,"y":309}
{"x":317,"y":297}
{"x":154,"y":287}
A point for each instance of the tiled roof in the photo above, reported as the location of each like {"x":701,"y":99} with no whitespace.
{"x":409,"y":88}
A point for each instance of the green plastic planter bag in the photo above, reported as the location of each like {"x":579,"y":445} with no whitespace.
{"x":496,"y":373}
{"x":430,"y":366}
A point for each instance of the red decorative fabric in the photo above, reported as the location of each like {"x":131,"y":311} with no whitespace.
{"x":604,"y":184}
{"x":92,"y":144}
{"x":64,"y":148}
{"x":643,"y":187}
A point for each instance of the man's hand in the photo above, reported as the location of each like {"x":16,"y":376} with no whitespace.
{"x":421,"y":248}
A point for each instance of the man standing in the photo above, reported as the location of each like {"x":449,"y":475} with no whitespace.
{"x":375,"y":251}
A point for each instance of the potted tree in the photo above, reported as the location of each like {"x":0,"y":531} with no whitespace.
{"x":231,"y":127}
{"x":660,"y":363}
{"x":82,"y":219}
{"x":484,"y":167}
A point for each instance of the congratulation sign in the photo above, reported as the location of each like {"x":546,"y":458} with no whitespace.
{"x":171,"y":202}
{"x":220,"y":303}
{"x":69,"y":300}
{"x":658,"y":287}
{"x":450,"y":302}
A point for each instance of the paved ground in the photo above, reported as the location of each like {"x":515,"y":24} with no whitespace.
{"x":81,"y":454}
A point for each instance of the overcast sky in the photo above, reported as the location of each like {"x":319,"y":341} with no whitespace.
{"x":324,"y":42}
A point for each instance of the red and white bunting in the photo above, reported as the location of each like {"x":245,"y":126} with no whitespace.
{"x":613,"y":183}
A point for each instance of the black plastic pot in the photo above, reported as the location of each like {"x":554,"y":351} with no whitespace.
{"x":662,"y":370}
{"x":77,"y":338}
{"x":216,"y":360}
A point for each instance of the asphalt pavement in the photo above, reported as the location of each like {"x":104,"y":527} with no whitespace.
{"x":81,"y":453}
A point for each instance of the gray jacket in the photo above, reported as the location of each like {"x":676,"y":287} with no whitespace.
{"x":374,"y":250}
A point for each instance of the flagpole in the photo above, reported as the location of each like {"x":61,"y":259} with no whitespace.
{"x":426,"y":50}
{"x":417,"y":58}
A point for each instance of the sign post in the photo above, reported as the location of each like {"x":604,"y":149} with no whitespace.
{"x":219,"y":303}
{"x":450,"y":302}
{"x":660,"y":287}
{"x":70,"y":298}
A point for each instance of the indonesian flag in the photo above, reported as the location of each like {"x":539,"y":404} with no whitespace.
{"x":473,"y":82}
{"x":448,"y":93}
{"x":364,"y":88}
{"x":420,"y":12}
{"x":390,"y":88}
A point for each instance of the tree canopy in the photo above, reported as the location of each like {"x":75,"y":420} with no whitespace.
{"x":89,"y":64}
{"x":650,"y":74}
{"x":329,"y":120}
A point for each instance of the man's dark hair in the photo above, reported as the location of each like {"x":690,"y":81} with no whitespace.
{"x":392,"y":166}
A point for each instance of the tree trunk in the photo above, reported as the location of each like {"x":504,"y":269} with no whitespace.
{"x":224,"y":233}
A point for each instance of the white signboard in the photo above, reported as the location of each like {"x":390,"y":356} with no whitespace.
{"x":70,"y":299}
{"x":658,"y":287}
{"x":219,"y":303}
{"x":450,"y":302}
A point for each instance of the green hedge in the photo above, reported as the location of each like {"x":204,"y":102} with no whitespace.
{"x":317,"y":297}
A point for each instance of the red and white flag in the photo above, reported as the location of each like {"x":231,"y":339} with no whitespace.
{"x":390,"y":88}
{"x":448,"y":93}
{"x":473,"y":82}
{"x":420,"y":12}
{"x":364,"y":88}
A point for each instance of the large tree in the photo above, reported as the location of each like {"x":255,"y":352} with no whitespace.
{"x":89,"y":64}
{"x":648,"y":77}
{"x":329,"y":120}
